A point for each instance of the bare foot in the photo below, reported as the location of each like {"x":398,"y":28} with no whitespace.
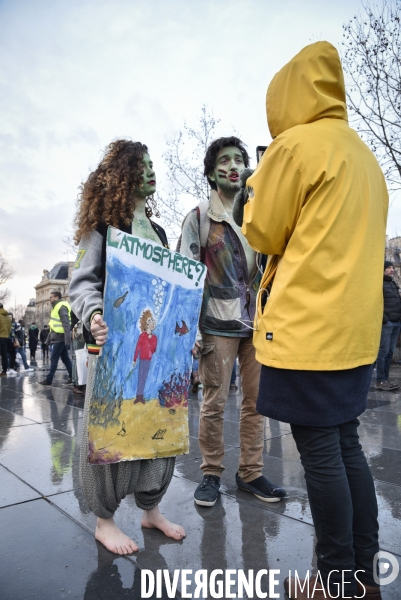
{"x":153,"y":519}
{"x":108,"y":534}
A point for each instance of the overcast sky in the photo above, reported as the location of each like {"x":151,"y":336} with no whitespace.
{"x":76,"y":74}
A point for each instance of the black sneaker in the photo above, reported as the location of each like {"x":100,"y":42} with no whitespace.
{"x":386,"y":386}
{"x":67,"y":383}
{"x":207,"y":491}
{"x":262,"y":488}
{"x":44,"y":382}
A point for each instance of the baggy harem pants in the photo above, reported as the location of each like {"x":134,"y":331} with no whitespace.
{"x":104,"y":486}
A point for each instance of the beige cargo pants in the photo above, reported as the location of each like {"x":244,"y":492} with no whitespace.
{"x":215,"y":367}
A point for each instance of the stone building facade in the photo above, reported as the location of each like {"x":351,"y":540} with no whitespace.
{"x":30,"y":313}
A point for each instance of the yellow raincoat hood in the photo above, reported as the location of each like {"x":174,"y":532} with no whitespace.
{"x":318,"y":208}
{"x":309,"y":87}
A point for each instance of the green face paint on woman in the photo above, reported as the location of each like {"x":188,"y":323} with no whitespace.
{"x":148,"y":186}
{"x":141,"y":225}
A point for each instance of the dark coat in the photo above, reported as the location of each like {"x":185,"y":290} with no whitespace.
{"x":20,"y":334}
{"x":44,"y":334}
{"x":33,"y":334}
{"x":392,"y":300}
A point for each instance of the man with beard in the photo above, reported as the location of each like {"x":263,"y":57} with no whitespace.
{"x":209,"y":234}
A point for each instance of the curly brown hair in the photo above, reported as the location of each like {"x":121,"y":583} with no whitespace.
{"x":107,"y":196}
{"x":144,"y":317}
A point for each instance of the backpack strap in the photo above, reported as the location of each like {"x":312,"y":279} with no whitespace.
{"x":204,"y":224}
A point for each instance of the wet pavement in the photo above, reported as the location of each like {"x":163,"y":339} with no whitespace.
{"x":48,"y":551}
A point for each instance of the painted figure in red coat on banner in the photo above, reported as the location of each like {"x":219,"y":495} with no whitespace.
{"x":145,"y":348}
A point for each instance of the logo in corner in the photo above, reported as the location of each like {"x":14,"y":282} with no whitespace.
{"x":385,"y":568}
{"x":269,"y":336}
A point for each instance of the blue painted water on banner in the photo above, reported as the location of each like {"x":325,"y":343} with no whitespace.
{"x":129,"y":293}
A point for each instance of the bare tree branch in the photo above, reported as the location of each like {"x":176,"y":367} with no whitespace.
{"x":70,"y":245}
{"x":372,"y":63}
{"x":184,"y":159}
{"x":18,"y":311}
{"x":6,"y":272}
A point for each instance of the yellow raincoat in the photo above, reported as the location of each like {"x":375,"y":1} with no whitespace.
{"x":318,"y":207}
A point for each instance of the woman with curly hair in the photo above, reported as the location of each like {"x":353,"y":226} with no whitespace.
{"x":118,"y":193}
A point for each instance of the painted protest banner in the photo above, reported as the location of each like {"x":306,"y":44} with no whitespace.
{"x":152,"y":301}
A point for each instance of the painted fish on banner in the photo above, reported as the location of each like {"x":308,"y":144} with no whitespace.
{"x":152,"y":300}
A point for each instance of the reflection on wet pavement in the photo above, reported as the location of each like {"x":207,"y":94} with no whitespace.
{"x":49,"y":552}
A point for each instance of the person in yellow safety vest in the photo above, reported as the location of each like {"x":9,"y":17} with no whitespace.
{"x":59,"y":336}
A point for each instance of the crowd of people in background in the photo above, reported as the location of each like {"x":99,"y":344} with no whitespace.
{"x":14,"y":338}
{"x":13,"y":342}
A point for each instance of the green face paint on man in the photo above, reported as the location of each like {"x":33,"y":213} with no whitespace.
{"x":228,"y":166}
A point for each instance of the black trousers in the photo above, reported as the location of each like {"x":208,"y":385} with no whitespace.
{"x":33,"y":344}
{"x":12,"y":355}
{"x":4,"y":352}
{"x":343,"y":501}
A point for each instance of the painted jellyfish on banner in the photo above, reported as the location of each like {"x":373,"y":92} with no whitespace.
{"x":158,"y":295}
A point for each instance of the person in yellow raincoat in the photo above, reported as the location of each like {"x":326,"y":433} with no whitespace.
{"x":318,"y":207}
